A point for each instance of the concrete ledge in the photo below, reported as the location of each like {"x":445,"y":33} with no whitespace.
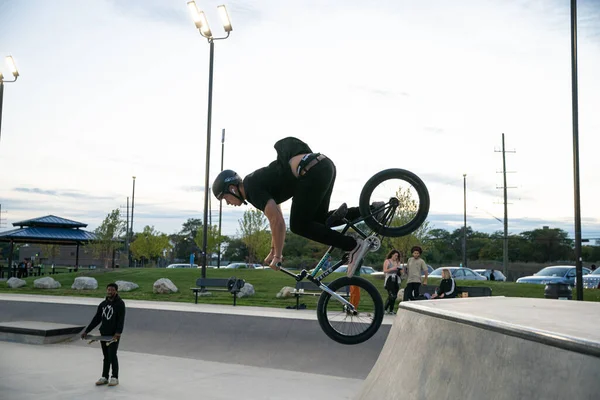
{"x":34,"y":332}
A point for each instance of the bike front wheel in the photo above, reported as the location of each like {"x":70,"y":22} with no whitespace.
{"x":343,"y":324}
{"x":406,"y":200}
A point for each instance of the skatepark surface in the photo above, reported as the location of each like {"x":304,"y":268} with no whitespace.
{"x":178,"y":350}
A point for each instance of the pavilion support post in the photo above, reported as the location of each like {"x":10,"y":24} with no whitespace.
{"x":77,"y":257}
{"x":10,"y":260}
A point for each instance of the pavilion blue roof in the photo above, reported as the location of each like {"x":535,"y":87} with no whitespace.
{"x":50,"y":221}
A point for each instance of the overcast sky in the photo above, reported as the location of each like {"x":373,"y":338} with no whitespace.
{"x":113,"y":89}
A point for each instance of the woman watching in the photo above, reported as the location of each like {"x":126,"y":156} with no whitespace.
{"x":392,"y":269}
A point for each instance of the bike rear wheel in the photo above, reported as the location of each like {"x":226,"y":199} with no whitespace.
{"x":403,"y":193}
{"x":340,"y":323}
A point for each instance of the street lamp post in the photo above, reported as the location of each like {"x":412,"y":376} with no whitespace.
{"x":15,"y":74}
{"x":465,"y":225}
{"x":202,"y":25}
{"x":575,"y":110}
{"x":221,"y":201}
{"x":131,"y":229}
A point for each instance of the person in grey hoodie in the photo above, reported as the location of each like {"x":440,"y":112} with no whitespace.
{"x":111,"y":313}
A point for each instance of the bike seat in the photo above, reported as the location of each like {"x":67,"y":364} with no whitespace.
{"x":337,"y":216}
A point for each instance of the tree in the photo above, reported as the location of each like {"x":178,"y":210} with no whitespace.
{"x":150,"y":244}
{"x":235,"y":250}
{"x":191,"y":227}
{"x":213,"y":240}
{"x":107,"y":236}
{"x":254,"y":234}
{"x":406,"y":211}
{"x":548,"y":245}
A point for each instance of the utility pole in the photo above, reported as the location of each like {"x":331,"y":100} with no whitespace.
{"x":505,"y":187}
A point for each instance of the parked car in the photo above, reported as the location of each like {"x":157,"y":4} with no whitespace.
{"x":363,"y":270}
{"x":592,"y":281}
{"x":554,"y":274}
{"x":183,"y":266}
{"x":459,"y":274}
{"x":242,"y":266}
{"x":487,"y":272}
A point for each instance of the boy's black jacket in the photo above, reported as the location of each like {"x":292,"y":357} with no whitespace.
{"x":112,"y":316}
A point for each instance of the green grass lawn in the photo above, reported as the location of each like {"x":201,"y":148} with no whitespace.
{"x":267,"y":284}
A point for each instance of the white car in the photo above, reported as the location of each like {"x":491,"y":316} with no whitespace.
{"x":183,"y":266}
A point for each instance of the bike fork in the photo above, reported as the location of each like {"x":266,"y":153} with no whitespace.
{"x":338,"y":297}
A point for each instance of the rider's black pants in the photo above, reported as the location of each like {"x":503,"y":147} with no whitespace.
{"x":411,"y":291}
{"x":110,"y":359}
{"x":310,"y":207}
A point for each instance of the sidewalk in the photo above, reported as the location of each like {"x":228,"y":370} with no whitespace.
{"x":53,"y":372}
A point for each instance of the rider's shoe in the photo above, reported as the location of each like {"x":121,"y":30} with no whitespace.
{"x":376,"y":205}
{"x":113,"y":381}
{"x":356,"y":255}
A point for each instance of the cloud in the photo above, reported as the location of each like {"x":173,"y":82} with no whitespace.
{"x":58,"y":193}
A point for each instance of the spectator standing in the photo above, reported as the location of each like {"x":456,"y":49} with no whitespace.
{"x":492,"y":276}
{"x":392,"y":269}
{"x":111,"y":313}
{"x":414,"y":266}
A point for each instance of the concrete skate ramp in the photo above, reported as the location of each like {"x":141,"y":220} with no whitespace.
{"x":289,"y":344}
{"x":489,"y":348}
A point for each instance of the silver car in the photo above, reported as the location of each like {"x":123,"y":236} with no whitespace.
{"x":459,"y":274}
{"x":499,"y":276}
{"x":592,"y":281}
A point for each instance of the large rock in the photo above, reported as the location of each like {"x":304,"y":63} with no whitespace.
{"x":125,"y":286}
{"x":246,"y":290}
{"x":46,"y":283}
{"x":14,"y":283}
{"x":285,"y":292}
{"x":164,"y":285}
{"x":85,"y":283}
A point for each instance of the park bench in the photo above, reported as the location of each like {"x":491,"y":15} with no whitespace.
{"x":231,"y":285}
{"x":307,"y":288}
{"x":471,"y":291}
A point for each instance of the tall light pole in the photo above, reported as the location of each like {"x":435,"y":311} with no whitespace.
{"x":15,"y":74}
{"x":202,"y":25}
{"x":575,"y":108}
{"x":465,"y":225}
{"x":131,"y":229}
{"x":221,"y":201}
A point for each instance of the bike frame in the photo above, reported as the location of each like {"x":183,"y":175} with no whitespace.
{"x":389,"y":210}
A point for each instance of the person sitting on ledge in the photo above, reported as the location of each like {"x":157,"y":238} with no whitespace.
{"x":447,"y":289}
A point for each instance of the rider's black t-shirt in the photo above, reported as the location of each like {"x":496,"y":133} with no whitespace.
{"x":275,"y":181}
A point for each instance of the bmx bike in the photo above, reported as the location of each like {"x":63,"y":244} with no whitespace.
{"x":402,"y":205}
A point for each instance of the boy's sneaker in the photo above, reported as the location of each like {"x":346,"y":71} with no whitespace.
{"x":113,"y":381}
{"x":101,"y":381}
{"x":356,"y":255}
{"x":376,"y":205}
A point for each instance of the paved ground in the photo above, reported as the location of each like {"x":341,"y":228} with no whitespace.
{"x":175,"y":350}
{"x":53,"y":372}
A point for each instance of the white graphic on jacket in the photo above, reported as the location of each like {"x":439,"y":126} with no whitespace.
{"x":107,"y":312}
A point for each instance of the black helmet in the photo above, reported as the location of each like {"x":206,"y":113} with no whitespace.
{"x":223,"y":180}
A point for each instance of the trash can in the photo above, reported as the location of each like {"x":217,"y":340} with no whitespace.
{"x":561,"y":291}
